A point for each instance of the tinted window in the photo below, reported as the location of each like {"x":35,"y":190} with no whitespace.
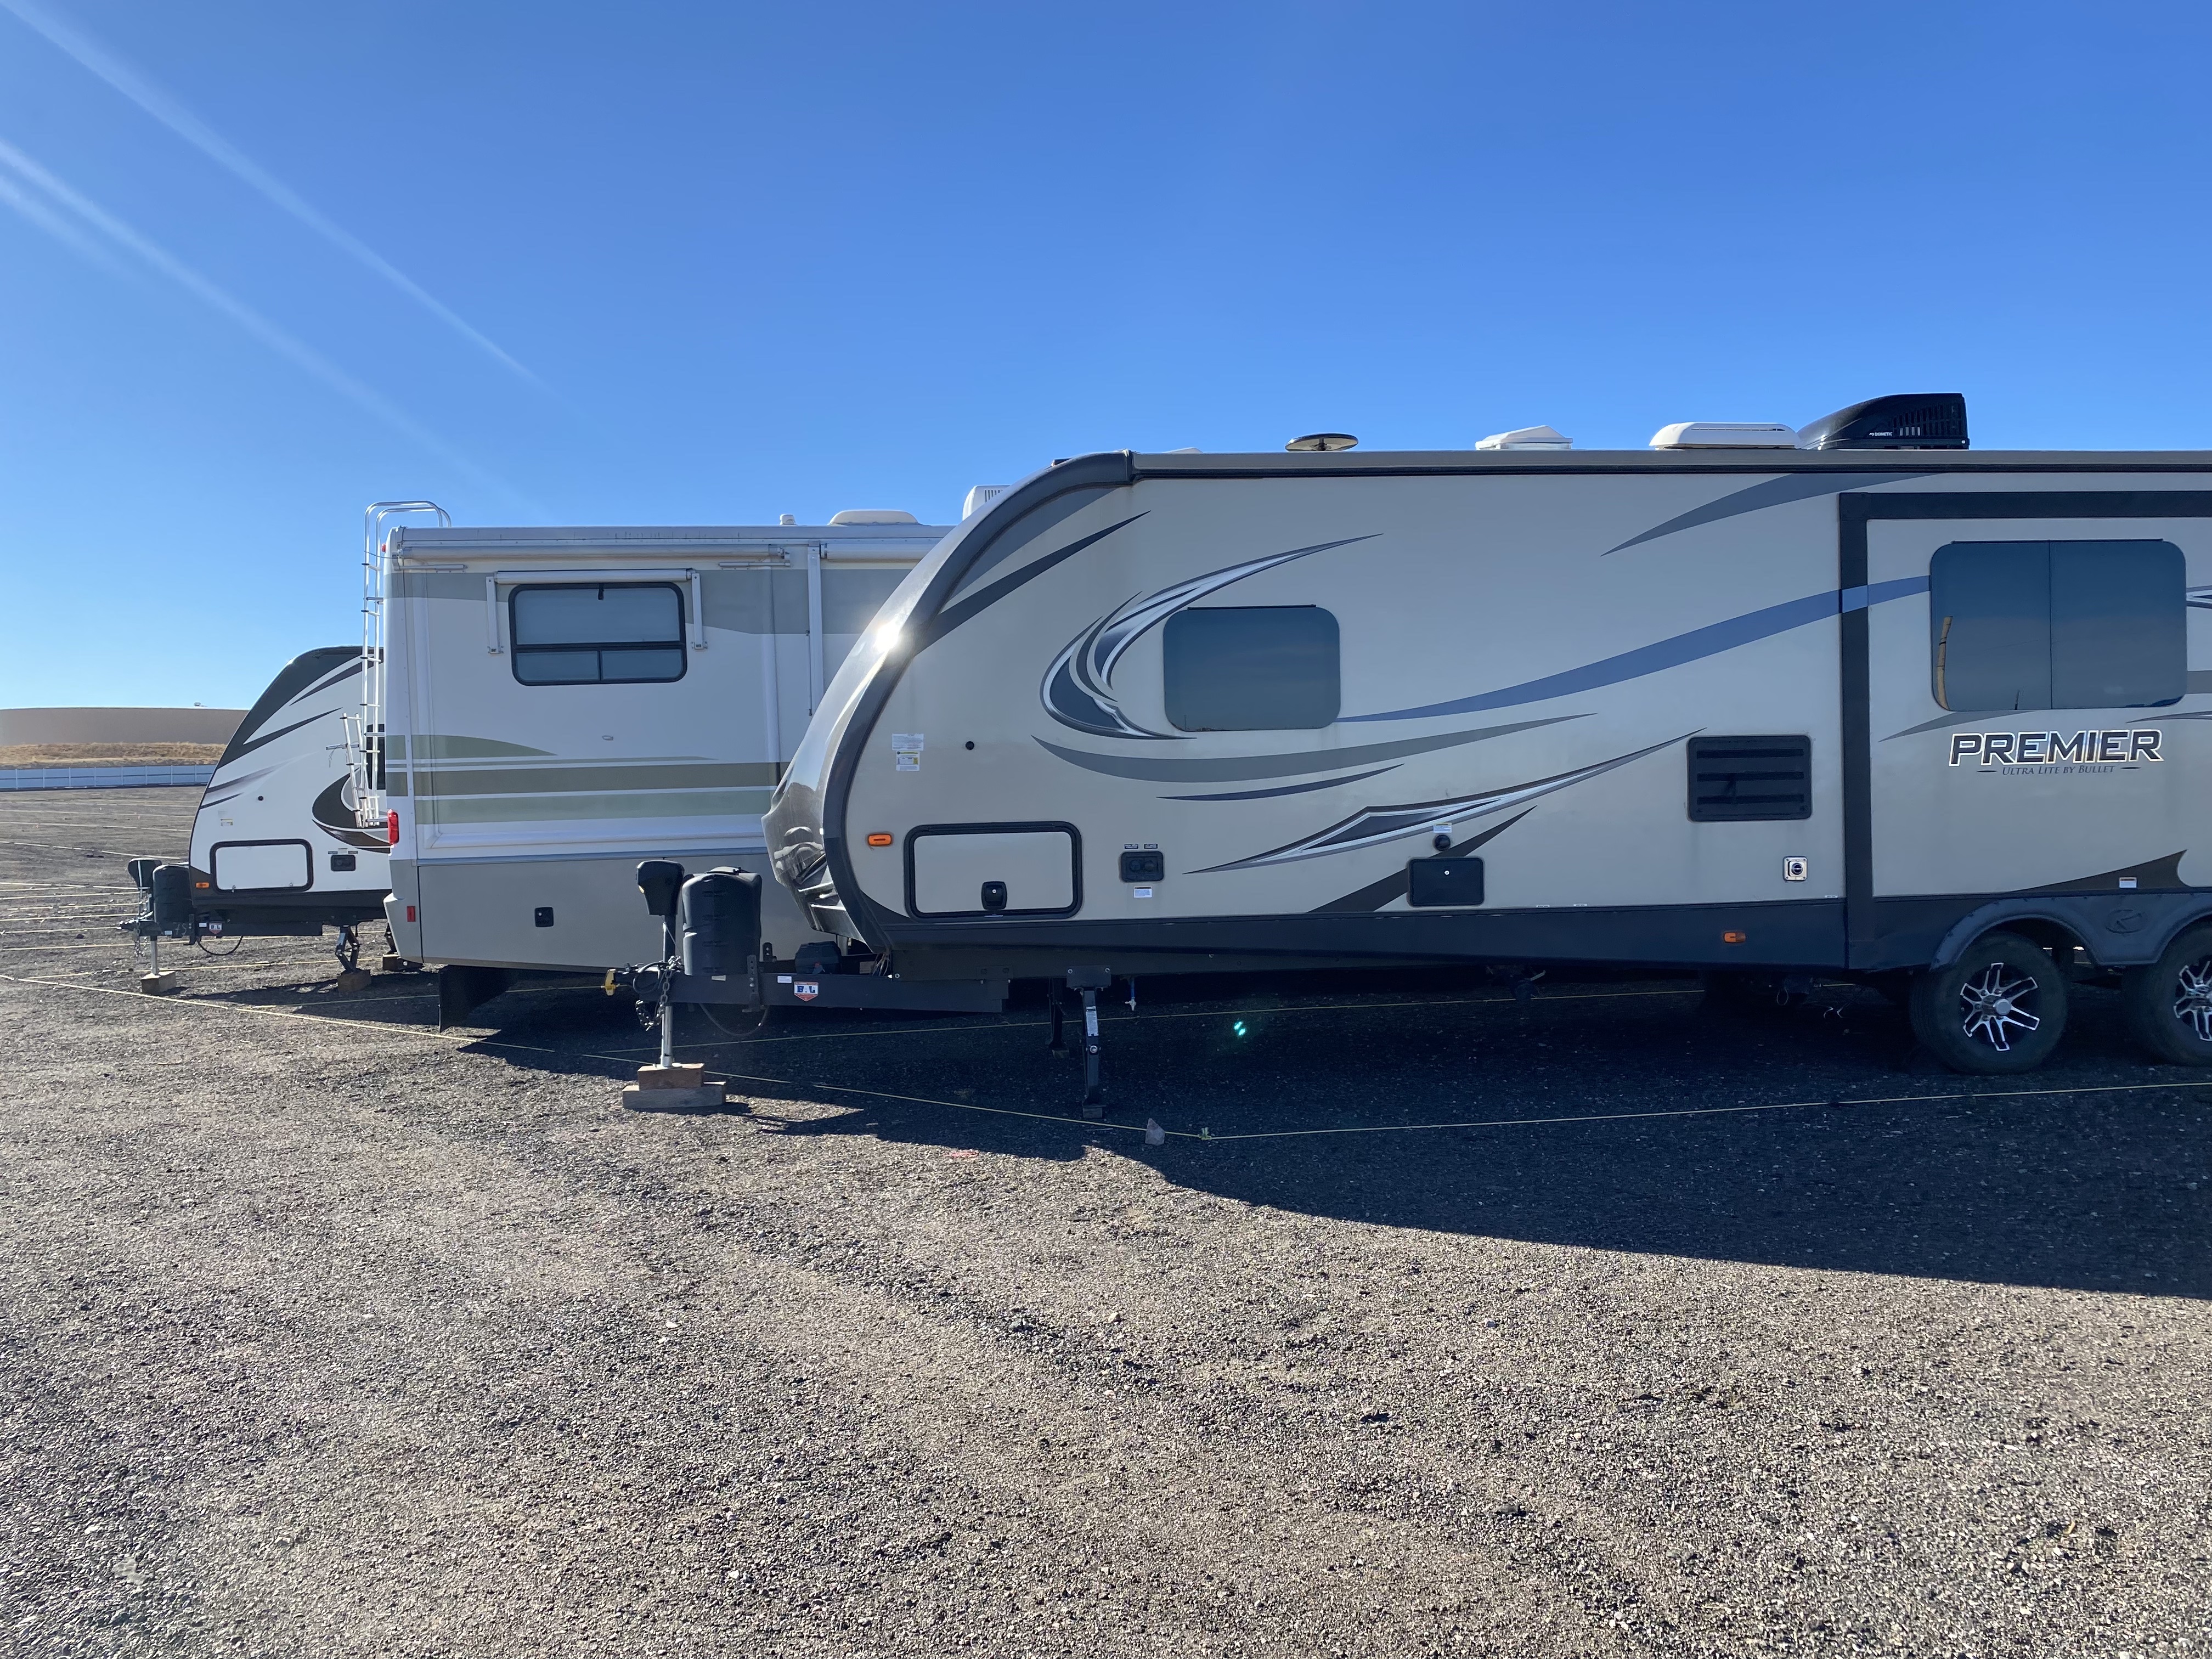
{"x":1254,"y":668}
{"x":2021,"y":625}
{"x":595,"y":633}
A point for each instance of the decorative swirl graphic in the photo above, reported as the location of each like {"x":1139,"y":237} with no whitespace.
{"x":1078,"y":688}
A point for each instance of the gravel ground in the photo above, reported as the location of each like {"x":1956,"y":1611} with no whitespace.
{"x":323,"y":1333}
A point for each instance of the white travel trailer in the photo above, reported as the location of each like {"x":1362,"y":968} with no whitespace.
{"x":277,"y":844}
{"x":1854,"y":700}
{"x":556,"y":705}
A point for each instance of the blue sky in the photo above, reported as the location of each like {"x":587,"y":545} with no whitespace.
{"x":686,"y":264}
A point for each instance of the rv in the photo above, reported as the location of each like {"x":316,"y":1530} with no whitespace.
{"x":546,"y":708}
{"x":1855,"y":701}
{"x":277,"y":844}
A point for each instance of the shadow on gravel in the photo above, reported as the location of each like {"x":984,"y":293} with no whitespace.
{"x":1316,"y":1097}
{"x":2104,"y":1191}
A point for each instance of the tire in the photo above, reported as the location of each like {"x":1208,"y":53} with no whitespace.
{"x":2169,"y":1004}
{"x":2000,"y":1009}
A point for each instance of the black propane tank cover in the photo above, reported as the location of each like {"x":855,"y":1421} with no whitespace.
{"x":658,"y":879}
{"x":718,"y":916}
{"x":142,"y":873}
{"x":173,"y":897}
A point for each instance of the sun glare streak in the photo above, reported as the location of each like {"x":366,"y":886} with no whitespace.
{"x":181,"y":121}
{"x":297,"y":352}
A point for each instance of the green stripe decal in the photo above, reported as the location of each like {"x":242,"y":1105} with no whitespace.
{"x":547,"y":809}
{"x":570,"y":780}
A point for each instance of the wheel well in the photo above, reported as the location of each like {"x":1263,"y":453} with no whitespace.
{"x":2050,"y":935}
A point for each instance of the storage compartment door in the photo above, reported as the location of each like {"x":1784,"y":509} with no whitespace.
{"x":994,"y":869}
{"x":260,"y":866}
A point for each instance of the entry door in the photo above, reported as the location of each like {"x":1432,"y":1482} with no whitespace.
{"x":2037,"y":686}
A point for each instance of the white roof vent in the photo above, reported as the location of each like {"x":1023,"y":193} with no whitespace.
{"x":981,"y":497}
{"x":1725,"y":435}
{"x":872,"y":515}
{"x":1528,"y":437}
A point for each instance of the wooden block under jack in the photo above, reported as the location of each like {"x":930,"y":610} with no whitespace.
{"x":354,"y":979}
{"x":155,"y":985}
{"x":710,"y":1095}
{"x":682,"y":1075}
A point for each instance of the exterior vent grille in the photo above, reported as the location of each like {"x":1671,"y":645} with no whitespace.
{"x":1929,"y":420}
{"x":1740,"y":780}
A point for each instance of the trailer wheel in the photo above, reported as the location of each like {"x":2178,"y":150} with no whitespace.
{"x":2169,"y":1004}
{"x":1999,"y":1008}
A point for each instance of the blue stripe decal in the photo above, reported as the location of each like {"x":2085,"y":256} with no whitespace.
{"x":1708,"y":642}
{"x":1289,"y":789}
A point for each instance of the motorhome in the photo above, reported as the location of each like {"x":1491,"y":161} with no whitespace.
{"x":546,"y":708}
{"x":1856,"y":701}
{"x":277,"y":844}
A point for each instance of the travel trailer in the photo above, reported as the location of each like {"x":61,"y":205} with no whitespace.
{"x":1854,"y":700}
{"x":546,"y":708}
{"x":277,"y":843}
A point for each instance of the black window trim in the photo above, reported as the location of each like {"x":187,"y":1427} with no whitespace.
{"x":681,"y":643}
{"x":1193,"y":610}
{"x":1939,"y":691}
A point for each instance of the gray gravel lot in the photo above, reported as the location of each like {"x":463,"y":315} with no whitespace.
{"x":321,"y":1332}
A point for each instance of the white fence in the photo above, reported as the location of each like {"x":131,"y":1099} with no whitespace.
{"x":101,"y":777}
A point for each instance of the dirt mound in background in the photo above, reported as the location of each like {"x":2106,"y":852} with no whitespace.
{"x":109,"y":754}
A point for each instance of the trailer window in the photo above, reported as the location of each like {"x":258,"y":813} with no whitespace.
{"x":597,"y":633}
{"x":2077,"y":624}
{"x":1251,"y":668}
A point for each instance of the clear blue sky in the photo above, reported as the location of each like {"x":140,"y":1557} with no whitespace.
{"x":708,"y":263}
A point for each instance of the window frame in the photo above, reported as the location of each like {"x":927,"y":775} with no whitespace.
{"x":517,"y":649}
{"x":1167,"y":694}
{"x":1938,"y":631}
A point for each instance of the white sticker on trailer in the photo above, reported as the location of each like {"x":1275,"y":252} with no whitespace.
{"x":910,"y":741}
{"x":905,"y":760}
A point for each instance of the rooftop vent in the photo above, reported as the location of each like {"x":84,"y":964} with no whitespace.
{"x":1725,"y":435}
{"x":1911,"y":419}
{"x":872,"y":515}
{"x":981,"y":497}
{"x":1324,"y":441}
{"x":1528,"y":437}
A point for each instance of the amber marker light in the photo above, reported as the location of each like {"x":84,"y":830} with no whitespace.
{"x":1734,"y":938}
{"x":879,"y":838}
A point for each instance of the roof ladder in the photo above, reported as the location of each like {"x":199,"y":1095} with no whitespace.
{"x":364,"y":734}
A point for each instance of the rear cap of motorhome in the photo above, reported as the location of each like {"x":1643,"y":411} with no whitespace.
{"x":1910,"y":420}
{"x":1725,"y":435}
{"x":1528,"y":437}
{"x":872,"y":515}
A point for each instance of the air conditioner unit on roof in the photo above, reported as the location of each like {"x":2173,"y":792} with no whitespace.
{"x":1725,"y":435}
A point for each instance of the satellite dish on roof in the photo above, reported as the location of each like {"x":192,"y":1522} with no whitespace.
{"x":1324,"y":441}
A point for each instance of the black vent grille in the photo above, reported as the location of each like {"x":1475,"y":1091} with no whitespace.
{"x":1945,"y":419}
{"x":1734,"y":780}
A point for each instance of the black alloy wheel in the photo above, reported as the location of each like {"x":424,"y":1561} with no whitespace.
{"x":2169,"y":1004}
{"x":2000,"y":1009}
